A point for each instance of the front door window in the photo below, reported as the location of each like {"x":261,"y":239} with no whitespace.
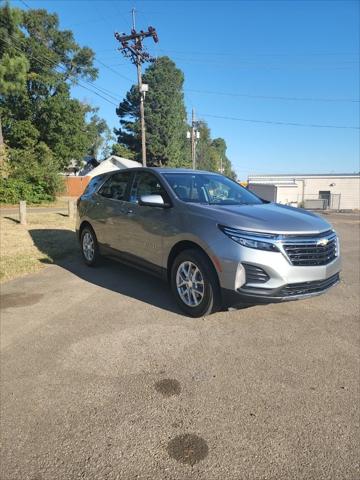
{"x":146,"y":183}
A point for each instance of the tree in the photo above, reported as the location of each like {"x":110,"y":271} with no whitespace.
{"x":165,"y":116}
{"x":56,"y":62}
{"x":211,"y":154}
{"x":219,"y":145}
{"x":121,"y":151}
{"x":13,"y":70}
{"x":38,"y":65}
{"x":100,"y":136}
{"x":206,"y":156}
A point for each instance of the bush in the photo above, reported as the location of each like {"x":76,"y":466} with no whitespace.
{"x":12,"y":190}
{"x":33,"y":176}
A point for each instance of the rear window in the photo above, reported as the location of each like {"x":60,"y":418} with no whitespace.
{"x":116,"y":186}
{"x":93,"y":185}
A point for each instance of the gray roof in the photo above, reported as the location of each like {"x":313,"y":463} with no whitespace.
{"x":178,"y":170}
{"x":303,"y":175}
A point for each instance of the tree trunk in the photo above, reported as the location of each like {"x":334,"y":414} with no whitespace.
{"x":4,"y":173}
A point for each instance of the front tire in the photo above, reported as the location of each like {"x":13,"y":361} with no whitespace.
{"x":194,"y":284}
{"x":89,"y":247}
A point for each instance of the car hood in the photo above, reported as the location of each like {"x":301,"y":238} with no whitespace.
{"x":267,"y":218}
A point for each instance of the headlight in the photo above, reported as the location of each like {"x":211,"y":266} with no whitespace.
{"x":249,"y":239}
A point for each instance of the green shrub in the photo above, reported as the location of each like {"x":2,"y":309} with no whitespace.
{"x":33,"y":176}
{"x":12,"y":190}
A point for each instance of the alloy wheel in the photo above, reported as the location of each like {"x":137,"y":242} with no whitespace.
{"x":190,"y":284}
{"x":88,"y":245}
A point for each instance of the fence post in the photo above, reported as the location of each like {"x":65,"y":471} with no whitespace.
{"x":22,"y":212}
{"x":71,"y":208}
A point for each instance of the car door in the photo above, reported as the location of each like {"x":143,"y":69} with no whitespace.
{"x":146,"y":224}
{"x":111,"y":210}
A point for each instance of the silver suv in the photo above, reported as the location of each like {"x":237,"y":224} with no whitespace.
{"x":216,"y":243}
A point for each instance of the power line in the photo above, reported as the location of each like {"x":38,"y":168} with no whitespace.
{"x":62,"y":65}
{"x":132,"y":48}
{"x":95,"y":59}
{"x":272,"y":122}
{"x":249,"y":65}
{"x":270,"y":97}
{"x":236,"y":54}
{"x":112,"y":69}
{"x":24,"y":3}
{"x":98,"y":94}
{"x":77,"y":82}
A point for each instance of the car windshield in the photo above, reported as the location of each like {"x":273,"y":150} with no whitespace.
{"x":209,"y":188}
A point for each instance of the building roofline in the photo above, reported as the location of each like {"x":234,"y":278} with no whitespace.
{"x":293,"y":175}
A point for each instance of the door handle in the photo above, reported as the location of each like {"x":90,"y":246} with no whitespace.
{"x":130,"y":212}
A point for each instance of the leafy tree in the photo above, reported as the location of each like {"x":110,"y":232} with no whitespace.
{"x":56,"y":62}
{"x":164,"y":115}
{"x":43,"y":126}
{"x":206,"y":156}
{"x":34,"y":176}
{"x":100,"y":135}
{"x":211,"y":154}
{"x":122,"y":151}
{"x":219,"y":145}
{"x":61,"y":122}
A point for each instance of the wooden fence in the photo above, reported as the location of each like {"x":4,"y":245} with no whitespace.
{"x":75,"y":186}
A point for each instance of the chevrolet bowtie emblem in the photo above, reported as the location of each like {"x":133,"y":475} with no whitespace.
{"x":322,"y":243}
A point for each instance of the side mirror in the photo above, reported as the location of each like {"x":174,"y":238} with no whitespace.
{"x":153,"y":201}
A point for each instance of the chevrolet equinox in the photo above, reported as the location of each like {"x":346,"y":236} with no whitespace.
{"x":215,"y":242}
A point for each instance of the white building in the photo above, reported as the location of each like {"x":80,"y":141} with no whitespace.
{"x":339,"y":191}
{"x":110,"y":164}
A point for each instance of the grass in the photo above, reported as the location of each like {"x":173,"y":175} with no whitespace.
{"x":47,"y":238}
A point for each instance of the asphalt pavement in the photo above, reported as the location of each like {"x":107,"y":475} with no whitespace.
{"x":103,"y":378}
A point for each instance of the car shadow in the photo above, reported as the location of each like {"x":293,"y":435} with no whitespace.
{"x":61,"y":248}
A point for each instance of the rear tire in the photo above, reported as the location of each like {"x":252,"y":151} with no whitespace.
{"x":194,"y":284}
{"x":89,"y":246}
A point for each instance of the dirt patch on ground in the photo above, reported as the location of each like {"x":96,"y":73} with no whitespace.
{"x":15,"y":300}
{"x":188,"y":449}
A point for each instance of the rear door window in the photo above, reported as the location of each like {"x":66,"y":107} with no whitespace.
{"x":93,"y":185}
{"x":116,"y":187}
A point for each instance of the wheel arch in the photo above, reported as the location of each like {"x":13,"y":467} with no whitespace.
{"x":84,"y":224}
{"x":188,"y":245}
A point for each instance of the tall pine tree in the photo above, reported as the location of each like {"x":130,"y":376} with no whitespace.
{"x":165,"y":117}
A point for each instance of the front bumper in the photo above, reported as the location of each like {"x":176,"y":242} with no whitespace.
{"x":286,"y":293}
{"x":252,"y":276}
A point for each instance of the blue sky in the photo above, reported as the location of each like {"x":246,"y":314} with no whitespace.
{"x":243,"y":52}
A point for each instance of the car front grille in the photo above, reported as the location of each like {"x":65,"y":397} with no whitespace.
{"x":305,"y":288}
{"x":255,"y":274}
{"x":319,"y":250}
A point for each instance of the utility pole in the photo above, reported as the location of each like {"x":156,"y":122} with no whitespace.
{"x":221,"y":165}
{"x":142,"y":98}
{"x":193,"y":135}
{"x":193,"y":140}
{"x":138,"y":56}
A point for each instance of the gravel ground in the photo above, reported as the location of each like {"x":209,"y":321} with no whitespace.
{"x":103,"y":378}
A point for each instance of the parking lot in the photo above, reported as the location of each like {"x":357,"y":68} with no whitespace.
{"x":103,"y":378}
